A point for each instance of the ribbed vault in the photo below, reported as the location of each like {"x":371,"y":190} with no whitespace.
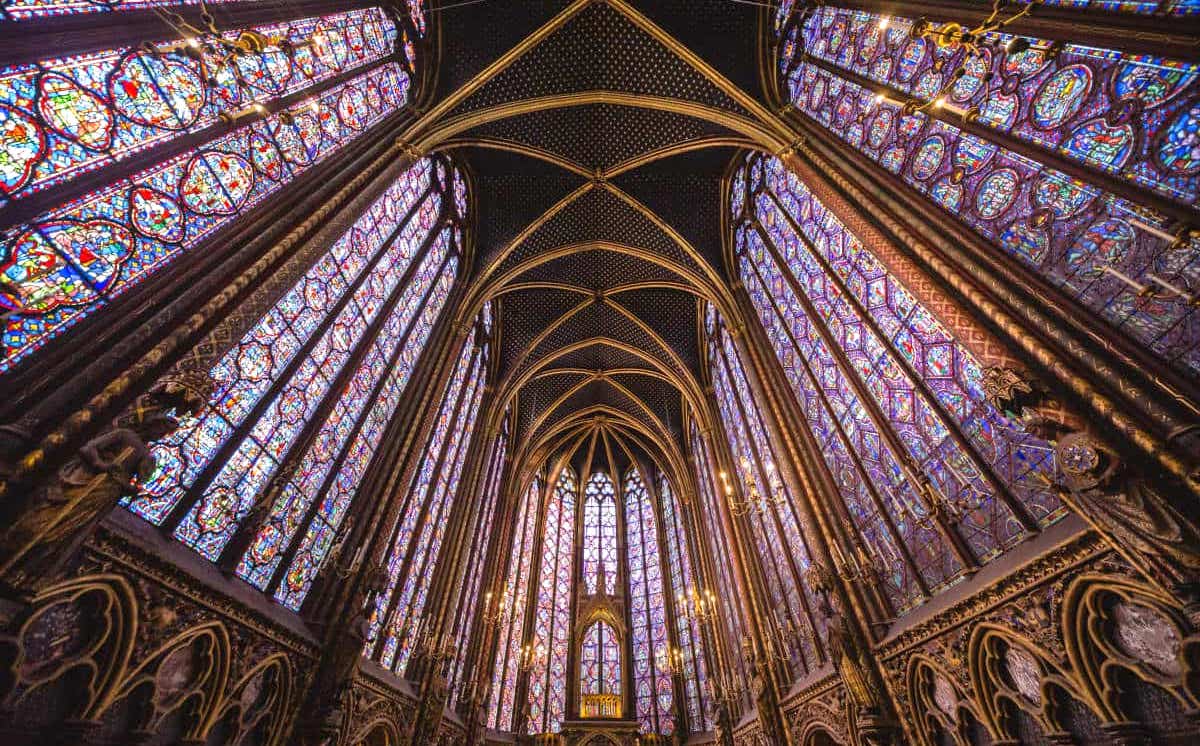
{"x":593,"y":131}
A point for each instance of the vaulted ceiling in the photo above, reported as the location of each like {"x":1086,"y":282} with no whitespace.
{"x":598,"y":134}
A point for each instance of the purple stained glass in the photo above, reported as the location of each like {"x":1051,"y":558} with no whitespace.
{"x":650,"y":641}
{"x":919,"y":378}
{"x":389,"y":365}
{"x":474,"y":569}
{"x":600,"y":533}
{"x":62,"y":117}
{"x":687,"y":627}
{"x":600,"y":660}
{"x":1098,"y":106}
{"x":251,"y":368}
{"x":231,"y":492}
{"x":419,"y":536}
{"x":1132,"y":116}
{"x":512,"y":624}
{"x":75,"y":259}
{"x":547,"y":695}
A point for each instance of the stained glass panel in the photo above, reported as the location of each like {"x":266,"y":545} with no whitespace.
{"x":600,"y":533}
{"x":653,"y":692}
{"x":418,"y":538}
{"x":512,"y":622}
{"x":64,"y":116}
{"x":474,"y":568}
{"x":74,"y":259}
{"x":600,"y":660}
{"x":552,"y":614}
{"x":233,"y":489}
{"x":1126,"y":115}
{"x":687,"y":627}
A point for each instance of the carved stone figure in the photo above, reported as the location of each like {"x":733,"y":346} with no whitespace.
{"x":40,"y":543}
{"x":848,"y":655}
{"x":331,"y":696}
{"x":1139,"y":522}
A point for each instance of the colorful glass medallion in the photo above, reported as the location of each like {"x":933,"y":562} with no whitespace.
{"x":1063,"y":196}
{"x":216,"y":183}
{"x":1152,"y":81}
{"x":164,"y":92}
{"x":976,"y":66}
{"x":911,"y":59}
{"x":1105,"y":243}
{"x":22,"y":144}
{"x":928,"y":157}
{"x":155,"y":214}
{"x":1061,"y":96}
{"x":1102,"y":144}
{"x":266,"y":157}
{"x":352,"y":108}
{"x":1028,"y":243}
{"x":972,"y":153}
{"x":879,"y":128}
{"x":74,"y":112}
{"x":1179,"y":149}
{"x":996,"y":193}
{"x":66,"y":263}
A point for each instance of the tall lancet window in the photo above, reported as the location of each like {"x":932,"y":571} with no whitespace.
{"x":894,"y":400}
{"x":652,"y":653}
{"x":416,"y":538}
{"x":312,"y":384}
{"x":116,"y":162}
{"x":757,"y":489}
{"x":511,"y":646}
{"x":551,"y":637}
{"x":1081,"y":161}
{"x":682,"y":583}
{"x":724,"y":592}
{"x":484,"y":510}
{"x":600,"y":671}
{"x":600,"y":534}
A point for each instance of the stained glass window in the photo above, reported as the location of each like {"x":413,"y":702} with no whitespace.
{"x":651,"y":648}
{"x":314,"y":382}
{"x":768,"y":502}
{"x":600,"y":660}
{"x":398,"y":621}
{"x":889,"y":394}
{"x":552,"y":614}
{"x":599,"y":533}
{"x":474,"y":569}
{"x":725,"y":590}
{"x":75,"y":258}
{"x":682,"y":584}
{"x":1133,"y":118}
{"x":515,"y":597}
{"x":64,"y":116}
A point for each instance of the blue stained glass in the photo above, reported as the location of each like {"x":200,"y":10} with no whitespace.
{"x":248,"y":370}
{"x":75,"y":259}
{"x":69,"y":115}
{"x":649,"y":632}
{"x":1040,"y":218}
{"x":302,"y":489}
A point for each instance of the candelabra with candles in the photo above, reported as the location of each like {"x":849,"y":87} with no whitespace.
{"x":431,"y":644}
{"x":670,"y":659}
{"x":493,"y":614}
{"x":697,"y":605}
{"x":755,"y":502}
{"x":530,"y":656}
{"x":973,"y":41}
{"x":726,"y":689}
